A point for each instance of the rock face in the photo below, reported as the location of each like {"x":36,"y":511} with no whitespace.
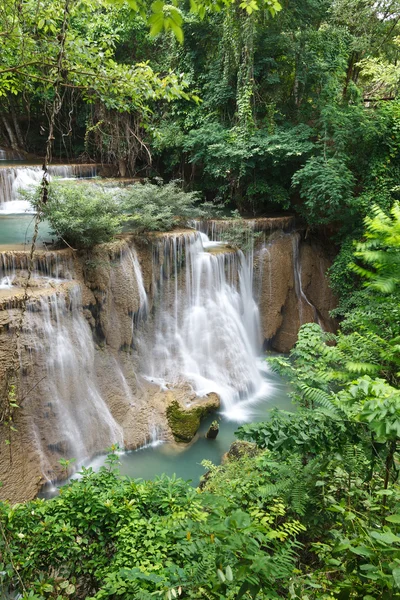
{"x":78,"y":386}
{"x":293,"y":289}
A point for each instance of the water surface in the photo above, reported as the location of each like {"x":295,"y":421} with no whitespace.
{"x":185,"y":461}
{"x":16,"y":232}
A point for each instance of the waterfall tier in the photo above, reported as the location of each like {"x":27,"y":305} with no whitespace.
{"x":62,"y":351}
{"x":205,"y":330}
{"x":16,"y":178}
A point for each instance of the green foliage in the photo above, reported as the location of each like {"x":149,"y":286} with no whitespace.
{"x":309,"y":433}
{"x":158,"y":207}
{"x":168,"y":16}
{"x":229,"y":158}
{"x":108,"y":536}
{"x":335,"y":474}
{"x":381,"y":250}
{"x":342,"y":278}
{"x":82,"y":214}
{"x":326,"y":185}
{"x":85,"y":214}
{"x":347,"y":443}
{"x":370,"y":329}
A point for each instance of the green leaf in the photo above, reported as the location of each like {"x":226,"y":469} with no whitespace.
{"x":177,"y":31}
{"x":221,"y":576}
{"x":361,"y":551}
{"x":157,"y":6}
{"x":70,"y":589}
{"x":156,"y":23}
{"x":396,"y":576}
{"x":393,"y":518}
{"x":386,"y":538}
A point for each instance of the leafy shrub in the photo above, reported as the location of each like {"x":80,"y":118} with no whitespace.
{"x":82,"y":214}
{"x":309,"y":433}
{"x":158,"y":207}
{"x":326,"y":185}
{"x":108,"y":536}
{"x":381,"y":250}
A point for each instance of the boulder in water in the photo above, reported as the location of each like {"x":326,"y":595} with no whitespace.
{"x":213,"y":431}
{"x":185,"y":422}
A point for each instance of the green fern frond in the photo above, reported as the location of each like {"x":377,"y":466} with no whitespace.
{"x":362,"y":367}
{"x":318,"y":396}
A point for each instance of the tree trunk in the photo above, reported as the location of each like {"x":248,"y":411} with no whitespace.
{"x":10,"y":133}
{"x":389,"y":463}
{"x":17,"y":129}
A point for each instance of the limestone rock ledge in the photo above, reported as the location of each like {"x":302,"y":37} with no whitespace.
{"x":293,"y":287}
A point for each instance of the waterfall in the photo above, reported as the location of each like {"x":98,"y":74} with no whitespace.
{"x":9,"y":154}
{"x":206,"y":324}
{"x":50,"y":266}
{"x":301,"y":297}
{"x":138,"y":278}
{"x":71,"y":411}
{"x":14,"y":179}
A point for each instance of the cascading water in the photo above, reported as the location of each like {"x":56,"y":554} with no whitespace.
{"x":79,"y":421}
{"x":50,"y":266}
{"x":206,"y":324}
{"x":133,"y":263}
{"x":8,"y":154}
{"x":302,"y":299}
{"x":14,"y":179}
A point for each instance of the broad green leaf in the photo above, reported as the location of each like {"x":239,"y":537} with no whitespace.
{"x":393,"y":518}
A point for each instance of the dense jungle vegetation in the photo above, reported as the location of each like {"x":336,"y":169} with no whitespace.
{"x":263,"y":108}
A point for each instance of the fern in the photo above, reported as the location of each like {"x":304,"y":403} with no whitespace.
{"x":318,"y":396}
{"x":362,"y":367}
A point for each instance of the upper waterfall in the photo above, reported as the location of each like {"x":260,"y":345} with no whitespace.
{"x":16,"y":178}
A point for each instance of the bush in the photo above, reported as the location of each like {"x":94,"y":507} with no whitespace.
{"x":107,"y":536}
{"x":82,"y":214}
{"x":158,"y":207}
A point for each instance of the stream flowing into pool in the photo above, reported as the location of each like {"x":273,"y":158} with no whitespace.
{"x":158,"y":457}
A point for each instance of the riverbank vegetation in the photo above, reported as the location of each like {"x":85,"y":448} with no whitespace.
{"x":82,"y":215}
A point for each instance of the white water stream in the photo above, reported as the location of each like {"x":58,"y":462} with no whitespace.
{"x":79,"y":419}
{"x":206,"y":324}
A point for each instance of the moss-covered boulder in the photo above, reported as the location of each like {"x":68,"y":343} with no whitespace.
{"x":239,"y":449}
{"x":185,"y":422}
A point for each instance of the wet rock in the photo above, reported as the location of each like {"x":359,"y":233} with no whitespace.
{"x":239,"y":449}
{"x":185,"y":422}
{"x":213,"y":431}
{"x":294,"y":288}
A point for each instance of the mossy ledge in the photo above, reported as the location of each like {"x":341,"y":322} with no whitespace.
{"x":185,"y":422}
